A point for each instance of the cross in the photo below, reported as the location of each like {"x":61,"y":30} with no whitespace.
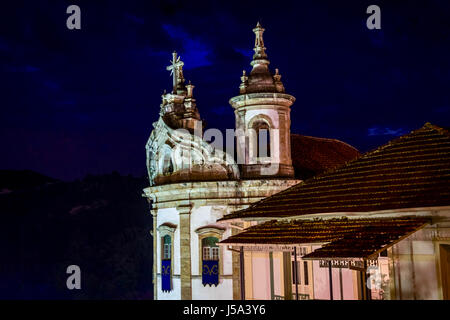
{"x":175,"y":68}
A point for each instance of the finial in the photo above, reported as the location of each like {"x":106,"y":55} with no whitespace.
{"x":244,"y":77}
{"x":244,"y":82}
{"x":190,"y":87}
{"x":277,"y":80}
{"x":164,"y":98}
{"x":260,"y":56}
{"x":277,"y":75}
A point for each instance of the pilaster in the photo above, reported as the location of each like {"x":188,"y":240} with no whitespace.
{"x":185,"y":251}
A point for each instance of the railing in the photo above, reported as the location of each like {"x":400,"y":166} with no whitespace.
{"x":301,"y":296}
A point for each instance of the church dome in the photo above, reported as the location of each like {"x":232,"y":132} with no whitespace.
{"x":261,"y":79}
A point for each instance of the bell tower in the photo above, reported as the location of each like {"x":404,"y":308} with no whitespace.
{"x":262,"y":113}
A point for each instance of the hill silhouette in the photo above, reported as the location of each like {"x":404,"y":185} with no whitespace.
{"x":100,"y":223}
{"x":11,"y":180}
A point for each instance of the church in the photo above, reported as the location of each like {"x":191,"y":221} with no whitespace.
{"x":194,"y":184}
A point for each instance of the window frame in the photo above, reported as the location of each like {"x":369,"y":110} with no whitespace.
{"x":213,"y":251}
{"x":205,"y":232}
{"x":166,"y":229}
{"x":254,"y":125}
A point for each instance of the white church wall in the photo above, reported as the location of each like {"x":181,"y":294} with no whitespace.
{"x":200,"y":217}
{"x":224,"y":290}
{"x":169,"y":215}
{"x":227,"y":256}
{"x":175,"y":294}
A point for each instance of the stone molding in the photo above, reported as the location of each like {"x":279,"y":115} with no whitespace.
{"x":260,"y":99}
{"x":236,"y":194}
{"x":166,"y":229}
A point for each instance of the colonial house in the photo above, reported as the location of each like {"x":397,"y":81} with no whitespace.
{"x":377,"y":227}
{"x":194,"y":184}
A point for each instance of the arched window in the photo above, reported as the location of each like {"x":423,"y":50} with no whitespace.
{"x":210,"y":249}
{"x":166,"y":233}
{"x":166,"y":263}
{"x":210,"y":253}
{"x":262,"y":131}
{"x":166,"y":163}
{"x":210,"y":263}
{"x":166,"y":247}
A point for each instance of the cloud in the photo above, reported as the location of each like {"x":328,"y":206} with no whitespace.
{"x":195,"y":52}
{"x":385,"y":131}
{"x":52,"y":85}
{"x":245,"y":52}
{"x":149,"y":51}
{"x":134,"y":18}
{"x":25,"y":68}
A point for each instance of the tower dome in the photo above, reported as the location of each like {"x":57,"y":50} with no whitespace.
{"x":263,"y":106}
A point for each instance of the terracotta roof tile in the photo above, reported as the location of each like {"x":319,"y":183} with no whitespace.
{"x":408,"y":172}
{"x":347,"y":238}
{"x":312,"y":155}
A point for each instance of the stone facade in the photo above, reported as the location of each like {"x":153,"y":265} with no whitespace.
{"x":193,"y":184}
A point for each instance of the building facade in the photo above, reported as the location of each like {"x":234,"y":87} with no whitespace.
{"x":193,"y":184}
{"x":377,"y":227}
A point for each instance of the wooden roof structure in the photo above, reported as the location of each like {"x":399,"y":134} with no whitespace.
{"x":345,"y":238}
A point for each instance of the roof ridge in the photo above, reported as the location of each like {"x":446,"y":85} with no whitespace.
{"x":427,"y":126}
{"x":439,"y":129}
{"x":326,"y":139}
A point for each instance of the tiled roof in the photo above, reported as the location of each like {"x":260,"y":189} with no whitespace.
{"x":312,"y":155}
{"x":409,"y":172}
{"x":347,"y":238}
{"x":375,"y":236}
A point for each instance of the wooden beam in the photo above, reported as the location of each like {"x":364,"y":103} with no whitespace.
{"x":241,"y":265}
{"x":295,"y":273}
{"x":287,"y":275}
{"x":330,"y":275}
{"x":272,"y":287}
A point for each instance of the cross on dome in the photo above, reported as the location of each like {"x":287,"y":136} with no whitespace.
{"x":176,"y":69}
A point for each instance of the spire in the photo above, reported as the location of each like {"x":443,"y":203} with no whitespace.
{"x":260,"y":56}
{"x":260,"y":79}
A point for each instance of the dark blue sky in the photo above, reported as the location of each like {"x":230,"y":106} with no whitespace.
{"x":78,"y":102}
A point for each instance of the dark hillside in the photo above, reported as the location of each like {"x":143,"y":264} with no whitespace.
{"x":100,"y":223}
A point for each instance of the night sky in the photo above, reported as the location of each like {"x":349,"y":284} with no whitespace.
{"x":75,"y":102}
